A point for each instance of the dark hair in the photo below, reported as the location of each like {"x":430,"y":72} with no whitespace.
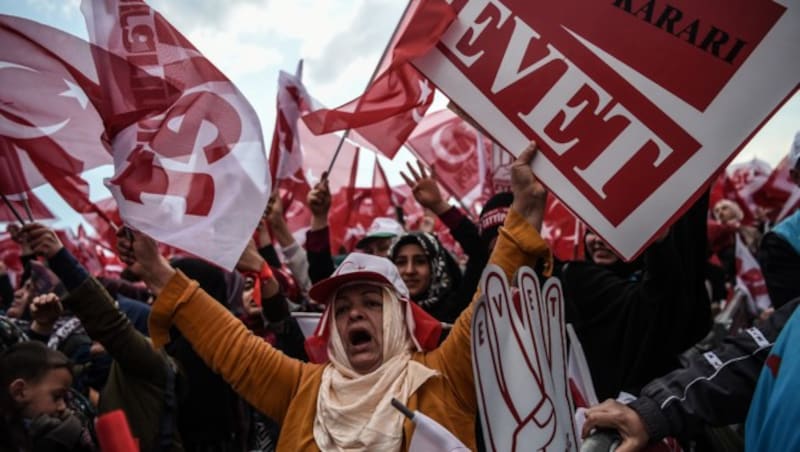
{"x":30,"y":361}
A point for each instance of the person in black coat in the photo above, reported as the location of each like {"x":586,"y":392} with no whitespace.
{"x":635,"y":319}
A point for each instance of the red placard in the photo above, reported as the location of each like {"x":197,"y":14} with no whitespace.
{"x":635,"y":104}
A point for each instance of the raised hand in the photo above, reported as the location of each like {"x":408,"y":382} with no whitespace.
{"x":135,"y":247}
{"x":276,"y":219}
{"x":250,"y":261}
{"x":612,"y":414}
{"x":319,"y":202}
{"x":15,"y":231}
{"x":530,"y":196}
{"x":45,"y":310}
{"x":41,"y":240}
{"x":425,"y":188}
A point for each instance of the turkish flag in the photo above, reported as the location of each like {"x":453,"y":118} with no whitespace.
{"x":562,"y":230}
{"x":779,"y":196}
{"x":81,"y":249}
{"x":397,"y":99}
{"x":194,"y":173}
{"x":10,"y":253}
{"x":54,"y":111}
{"x":750,"y":279}
{"x":354,"y":208}
{"x":51,"y":128}
{"x":459,"y":153}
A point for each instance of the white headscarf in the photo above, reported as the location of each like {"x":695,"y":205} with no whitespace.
{"x":354,"y":411}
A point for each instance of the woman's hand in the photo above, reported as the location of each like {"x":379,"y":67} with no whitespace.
{"x":135,"y":247}
{"x":530,"y":196}
{"x":425,"y":188}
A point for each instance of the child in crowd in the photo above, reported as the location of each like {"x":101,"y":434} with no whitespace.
{"x":35,"y":383}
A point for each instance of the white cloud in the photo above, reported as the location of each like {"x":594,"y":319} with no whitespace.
{"x":62,"y":7}
{"x":190,"y":14}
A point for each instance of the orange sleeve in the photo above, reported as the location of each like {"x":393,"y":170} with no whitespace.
{"x":262,"y":375}
{"x":519,"y":244}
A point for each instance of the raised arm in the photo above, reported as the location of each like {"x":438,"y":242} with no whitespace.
{"x":519,"y":244}
{"x":714,"y":389}
{"x":95,"y":308}
{"x":265,"y":377}
{"x":318,"y":242}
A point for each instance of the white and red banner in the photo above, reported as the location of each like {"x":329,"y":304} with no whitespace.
{"x":750,"y":279}
{"x":520,"y":363}
{"x":562,"y":230}
{"x":779,"y":196}
{"x":398,"y":97}
{"x":457,"y":151}
{"x":354,"y":208}
{"x":52,"y":113}
{"x":192,"y":174}
{"x":635,"y":103}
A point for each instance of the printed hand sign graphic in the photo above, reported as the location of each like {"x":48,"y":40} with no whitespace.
{"x":519,"y":362}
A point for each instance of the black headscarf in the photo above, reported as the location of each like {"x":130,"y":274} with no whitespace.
{"x":445,"y":273}
{"x":208,"y":411}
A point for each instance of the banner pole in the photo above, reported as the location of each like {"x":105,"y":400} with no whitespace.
{"x":13,"y":210}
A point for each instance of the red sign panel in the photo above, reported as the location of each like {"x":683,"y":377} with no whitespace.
{"x":635,"y":103}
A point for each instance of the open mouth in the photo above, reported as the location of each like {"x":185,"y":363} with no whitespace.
{"x":359,"y":336}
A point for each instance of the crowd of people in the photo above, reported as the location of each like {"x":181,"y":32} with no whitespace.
{"x":202,"y":359}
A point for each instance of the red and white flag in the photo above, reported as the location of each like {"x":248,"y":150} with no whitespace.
{"x":286,"y":156}
{"x":779,"y":196}
{"x":354,"y":208}
{"x":38,"y":209}
{"x":10,"y":253}
{"x":562,"y":230}
{"x":194,"y":174}
{"x":749,"y":179}
{"x":397,"y":99}
{"x":750,"y":279}
{"x":431,"y":436}
{"x":457,"y":151}
{"x":52,"y":126}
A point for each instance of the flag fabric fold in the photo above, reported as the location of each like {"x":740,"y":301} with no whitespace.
{"x":188,"y":151}
{"x":459,"y":153}
{"x":430,"y":436}
{"x":750,"y":279}
{"x":397,"y":99}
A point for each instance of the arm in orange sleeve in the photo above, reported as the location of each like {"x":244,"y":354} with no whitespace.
{"x":519,"y":244}
{"x":262,"y":375}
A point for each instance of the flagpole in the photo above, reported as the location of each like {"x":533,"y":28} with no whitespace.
{"x":371,"y":79}
{"x":13,"y":210}
{"x":402,"y":408}
{"x":27,"y":206}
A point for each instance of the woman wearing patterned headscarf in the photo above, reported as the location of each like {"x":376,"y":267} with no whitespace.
{"x":431,"y":274}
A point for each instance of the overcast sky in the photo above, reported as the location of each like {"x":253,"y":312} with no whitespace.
{"x":340,"y":40}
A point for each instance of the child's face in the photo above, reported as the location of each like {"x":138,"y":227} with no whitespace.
{"x":47,"y":396}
